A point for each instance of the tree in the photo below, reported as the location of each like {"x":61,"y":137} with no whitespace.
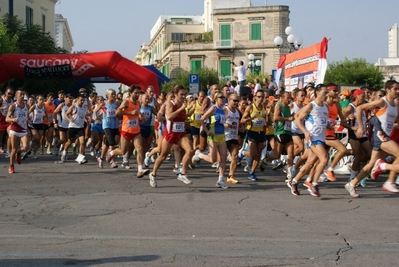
{"x":24,"y":39}
{"x":354,"y":72}
{"x":206,"y":76}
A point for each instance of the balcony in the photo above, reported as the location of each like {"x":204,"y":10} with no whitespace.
{"x":224,"y":44}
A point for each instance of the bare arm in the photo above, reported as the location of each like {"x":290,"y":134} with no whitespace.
{"x":10,"y":114}
{"x":173,"y":114}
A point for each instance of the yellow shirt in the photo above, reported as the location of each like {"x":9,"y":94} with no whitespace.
{"x":258,"y":122}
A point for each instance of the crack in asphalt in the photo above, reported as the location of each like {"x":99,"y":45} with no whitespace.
{"x":343,"y":249}
{"x":241,"y":200}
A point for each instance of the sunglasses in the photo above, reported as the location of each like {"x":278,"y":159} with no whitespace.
{"x":260,"y":96}
{"x":221,"y":97}
{"x":380,"y":95}
{"x":9,"y":93}
{"x":236,"y":100}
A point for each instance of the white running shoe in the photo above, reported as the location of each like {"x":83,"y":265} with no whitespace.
{"x":183,"y":178}
{"x":222,"y":184}
{"x":147,"y":160}
{"x":390,"y":187}
{"x":153,"y":180}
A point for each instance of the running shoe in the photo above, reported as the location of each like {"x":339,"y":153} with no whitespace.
{"x":7,"y":154}
{"x":126,"y":165}
{"x":19,"y":159}
{"x":100,"y":163}
{"x":147,"y":160}
{"x":232,"y":180}
{"x":352,"y":190}
{"x":49,"y":151}
{"x":390,"y":187}
{"x":314,"y":190}
{"x":191,"y":166}
{"x":1,"y":150}
{"x":252,"y":177}
{"x":108,"y":156}
{"x":215,"y":165}
{"x":376,"y":170}
{"x":195,"y":159}
{"x":152,"y":159}
{"x":34,"y":156}
{"x":183,"y":178}
{"x":240,"y":157}
{"x":63,"y":156}
{"x":247,"y":168}
{"x":41,"y":151}
{"x":153,"y":180}
{"x":11,"y":169}
{"x":330,"y":175}
{"x":307,"y":183}
{"x":294,"y":188}
{"x":114,"y":165}
{"x":83,"y":160}
{"x":363,"y":182}
{"x":277,"y":165}
{"x":263,"y":165}
{"x":222,"y":184}
{"x":25,"y":155}
{"x":142,"y":173}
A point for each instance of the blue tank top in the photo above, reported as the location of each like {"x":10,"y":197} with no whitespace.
{"x":146,"y":112}
{"x":217,"y":121}
{"x":110,"y":120}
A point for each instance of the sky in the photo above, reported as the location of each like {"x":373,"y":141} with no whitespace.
{"x":357,"y":28}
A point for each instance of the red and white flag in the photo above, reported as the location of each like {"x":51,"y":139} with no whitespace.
{"x":279,"y":69}
{"x":322,"y":67}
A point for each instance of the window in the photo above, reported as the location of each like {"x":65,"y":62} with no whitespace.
{"x":225,"y":34}
{"x":225,"y":68}
{"x":44,"y":22}
{"x":255,"y":31}
{"x":177,"y":36}
{"x":195,"y":65}
{"x":11,"y":7}
{"x":29,"y":15}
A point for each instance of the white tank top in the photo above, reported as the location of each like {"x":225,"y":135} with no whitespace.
{"x":316,"y":122}
{"x":364,"y":119}
{"x":22,"y":115}
{"x":232,"y":118}
{"x":4,"y":104}
{"x":78,"y":117}
{"x":294,"y":127}
{"x":62,"y":122}
{"x":38,"y":114}
{"x":387,"y":116}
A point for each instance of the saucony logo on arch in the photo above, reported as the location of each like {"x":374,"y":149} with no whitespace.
{"x":39,"y":63}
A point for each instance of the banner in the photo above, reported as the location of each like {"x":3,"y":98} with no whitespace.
{"x":306,"y":65}
{"x":98,"y":64}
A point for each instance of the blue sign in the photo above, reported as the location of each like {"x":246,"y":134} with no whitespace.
{"x":194,"y":83}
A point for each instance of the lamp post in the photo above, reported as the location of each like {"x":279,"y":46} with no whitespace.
{"x":293,"y":42}
{"x":254,"y":66}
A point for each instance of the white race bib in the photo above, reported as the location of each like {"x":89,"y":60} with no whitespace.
{"x":178,"y":127}
{"x":132,"y":123}
{"x":222,"y":119}
{"x":197,"y":117}
{"x":287,"y":126}
{"x":259,"y":122}
{"x":111,"y":113}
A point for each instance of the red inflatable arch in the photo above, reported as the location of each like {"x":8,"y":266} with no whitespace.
{"x":87,"y":65}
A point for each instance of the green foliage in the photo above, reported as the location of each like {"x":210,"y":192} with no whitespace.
{"x":206,"y":76}
{"x":20,"y":38}
{"x":8,"y":43}
{"x":354,"y":72}
{"x":207,"y":36}
{"x":252,"y":76}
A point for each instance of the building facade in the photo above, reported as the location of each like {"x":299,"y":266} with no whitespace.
{"x":236,"y":33}
{"x":390,"y":66}
{"x":62,"y":33}
{"x":40,"y":12}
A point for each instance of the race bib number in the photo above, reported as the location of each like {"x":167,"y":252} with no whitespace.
{"x":389,"y":127}
{"x":132,"y":123}
{"x":287,"y":126}
{"x":37,"y":120}
{"x":320,"y":121}
{"x":178,"y":127}
{"x":222,"y":119}
{"x":197,"y":117}
{"x":146,"y":114}
{"x":259,"y":122}
{"x":111,"y":113}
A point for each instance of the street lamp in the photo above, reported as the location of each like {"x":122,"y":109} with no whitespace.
{"x":254,"y":66}
{"x":293,"y":42}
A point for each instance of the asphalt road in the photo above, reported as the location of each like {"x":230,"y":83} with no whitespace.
{"x":80,"y":215}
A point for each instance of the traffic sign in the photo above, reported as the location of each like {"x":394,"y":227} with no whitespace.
{"x":194,"y":83}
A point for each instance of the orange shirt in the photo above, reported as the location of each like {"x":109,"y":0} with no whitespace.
{"x":130,"y":123}
{"x":50,"y":110}
{"x":332,"y":115}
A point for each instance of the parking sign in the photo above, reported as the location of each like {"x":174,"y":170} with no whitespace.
{"x":194,"y":83}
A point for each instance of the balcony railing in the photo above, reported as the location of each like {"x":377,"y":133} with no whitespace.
{"x":224,"y":44}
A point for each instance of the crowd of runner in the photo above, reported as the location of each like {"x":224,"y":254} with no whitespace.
{"x":293,"y":130}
